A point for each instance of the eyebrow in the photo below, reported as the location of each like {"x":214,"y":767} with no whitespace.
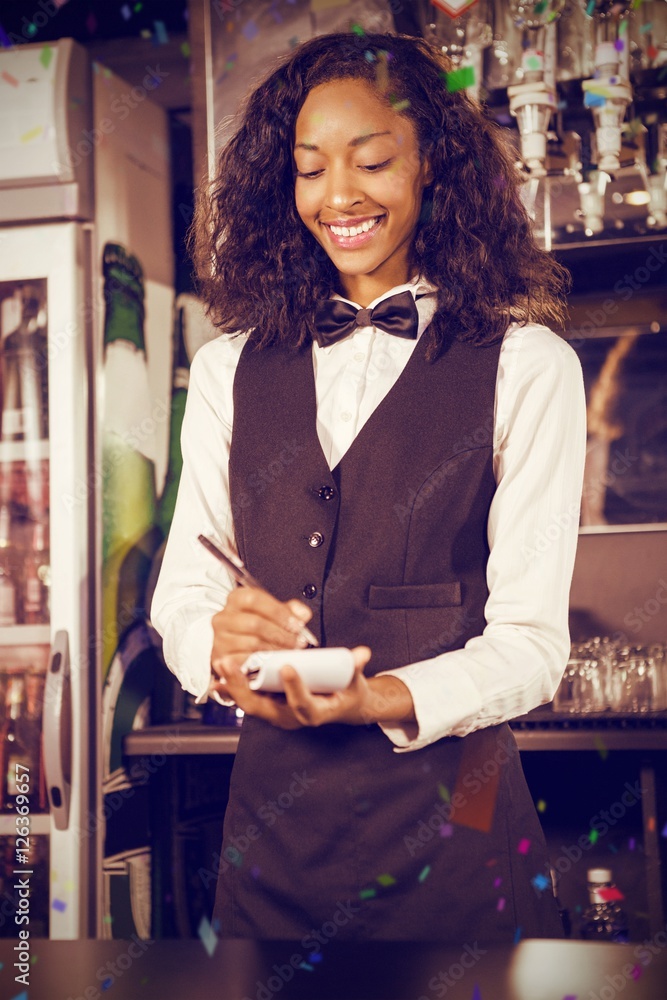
{"x":353,"y":142}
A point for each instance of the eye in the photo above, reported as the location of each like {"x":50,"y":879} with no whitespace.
{"x":309,"y":176}
{"x":377,"y":166}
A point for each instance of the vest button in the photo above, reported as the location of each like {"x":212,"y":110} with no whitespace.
{"x":315,"y":539}
{"x":326,"y":493}
{"x":309,"y":591}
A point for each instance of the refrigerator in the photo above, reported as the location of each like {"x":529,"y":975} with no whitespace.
{"x":86,"y":315}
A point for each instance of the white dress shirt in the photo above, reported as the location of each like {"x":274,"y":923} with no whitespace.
{"x":539,"y":445}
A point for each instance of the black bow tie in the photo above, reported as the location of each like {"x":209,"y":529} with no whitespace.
{"x":396,"y":314}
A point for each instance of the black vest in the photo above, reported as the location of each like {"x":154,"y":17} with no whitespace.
{"x":390,"y":550}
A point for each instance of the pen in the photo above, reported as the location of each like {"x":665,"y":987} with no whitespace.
{"x":242,"y":576}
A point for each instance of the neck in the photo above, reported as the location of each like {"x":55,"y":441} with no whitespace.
{"x":365,"y":288}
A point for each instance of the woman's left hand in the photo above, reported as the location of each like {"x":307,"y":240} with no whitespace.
{"x":365,"y":700}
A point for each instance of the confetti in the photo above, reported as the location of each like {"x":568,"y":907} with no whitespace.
{"x":602,"y":750}
{"x":636,"y":972}
{"x":107,"y":984}
{"x":476,"y":994}
{"x":161,"y":35}
{"x":446,"y":830}
{"x":643,"y":28}
{"x":541,"y":806}
{"x":593,"y":836}
{"x":651,"y":824}
{"x":4,"y":39}
{"x":631,"y":844}
{"x":108,"y":920}
{"x":137,"y":7}
{"x":369,"y":55}
{"x":664,"y":830}
{"x":501,"y":904}
{"x":540,"y":881}
{"x":207,"y":936}
{"x":611,"y":893}
{"x":497,"y":882}
{"x":524,"y":846}
{"x":185,"y":50}
{"x":594,"y":101}
{"x":460,"y":79}
{"x":517,"y":935}
{"x":424,"y":873}
{"x":21,"y":996}
{"x":293,"y":42}
{"x":358,"y":30}
{"x":8,"y":78}
{"x":315,"y":957}
{"x":250,"y":30}
{"x":126,"y":12}
{"x":45,"y":56}
{"x":590,"y":8}
{"x":58,"y":905}
{"x":443,"y":792}
{"x":367,"y":893}
{"x":304,"y":965}
{"x":386,"y":880}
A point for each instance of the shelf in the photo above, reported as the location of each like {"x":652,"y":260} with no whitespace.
{"x":22,"y":451}
{"x":25,"y":635}
{"x":40,"y":824}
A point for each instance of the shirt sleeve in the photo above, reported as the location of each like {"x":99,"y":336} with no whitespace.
{"x":539,"y":451}
{"x":192,"y":585}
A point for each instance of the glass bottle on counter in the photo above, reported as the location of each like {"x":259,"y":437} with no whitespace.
{"x":603,"y":919}
{"x":36,"y":579}
{"x":19,"y":764}
{"x":8,"y":586}
{"x":25,"y":415}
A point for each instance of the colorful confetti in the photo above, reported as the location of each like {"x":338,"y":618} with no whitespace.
{"x":501,"y":904}
{"x":107,"y":984}
{"x":517,"y":935}
{"x":541,"y":806}
{"x":207,"y":936}
{"x":524,"y":846}
{"x":358,"y":30}
{"x":4,"y":39}
{"x":185,"y":50}
{"x":58,"y":905}
{"x":540,"y":881}
{"x":631,"y":844}
{"x":45,"y":56}
{"x":161,"y":35}
{"x":250,"y":30}
{"x":602,"y":750}
{"x":664,"y":830}
{"x":593,"y":836}
{"x":497,"y":883}
{"x":8,"y":78}
{"x":386,"y":880}
{"x":367,"y":894}
{"x":21,"y":996}
{"x":424,"y":873}
{"x":126,"y":12}
{"x":460,"y":79}
{"x":443,"y":792}
{"x":636,"y":972}
{"x":304,"y":965}
{"x":611,"y":893}
{"x":446,"y":830}
{"x":476,"y":993}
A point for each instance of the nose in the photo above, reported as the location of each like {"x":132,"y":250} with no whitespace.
{"x":342,"y":188}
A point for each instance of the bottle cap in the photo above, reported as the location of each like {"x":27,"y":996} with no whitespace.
{"x":599,"y":875}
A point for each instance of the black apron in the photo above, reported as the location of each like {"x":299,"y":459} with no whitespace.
{"x":329,"y":832}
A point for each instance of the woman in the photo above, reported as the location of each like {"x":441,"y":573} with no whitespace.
{"x":387,"y":442}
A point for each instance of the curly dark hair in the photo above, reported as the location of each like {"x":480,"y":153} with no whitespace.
{"x":261,"y":270}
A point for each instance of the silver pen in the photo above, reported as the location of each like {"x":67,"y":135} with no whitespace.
{"x":243,"y":577}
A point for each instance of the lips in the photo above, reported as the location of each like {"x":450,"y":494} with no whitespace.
{"x":352,"y":242}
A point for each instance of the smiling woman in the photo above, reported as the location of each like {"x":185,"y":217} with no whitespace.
{"x":366,"y":248}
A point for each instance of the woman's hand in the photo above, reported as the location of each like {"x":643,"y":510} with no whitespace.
{"x":252,"y":620}
{"x":364,"y":701}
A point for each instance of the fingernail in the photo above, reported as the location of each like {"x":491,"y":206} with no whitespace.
{"x":302,"y":642}
{"x":294,"y":625}
{"x":302,"y":611}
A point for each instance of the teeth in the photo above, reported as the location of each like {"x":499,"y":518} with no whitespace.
{"x":354,"y":230}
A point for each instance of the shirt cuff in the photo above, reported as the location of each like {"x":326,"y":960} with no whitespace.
{"x":446,"y":701}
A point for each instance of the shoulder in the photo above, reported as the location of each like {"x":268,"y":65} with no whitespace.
{"x":532,"y":350}
{"x":215,"y":362}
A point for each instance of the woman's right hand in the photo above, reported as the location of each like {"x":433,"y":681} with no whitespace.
{"x":252,"y":620}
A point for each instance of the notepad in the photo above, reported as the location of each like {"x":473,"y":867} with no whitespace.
{"x":323,"y":671}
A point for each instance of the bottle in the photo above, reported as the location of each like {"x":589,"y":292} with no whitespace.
{"x":31,"y":734}
{"x":603,"y":919}
{"x":130,"y":536}
{"x":7,"y":572}
{"x":25,"y":414}
{"x":36,"y":579}
{"x":19,"y":763}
